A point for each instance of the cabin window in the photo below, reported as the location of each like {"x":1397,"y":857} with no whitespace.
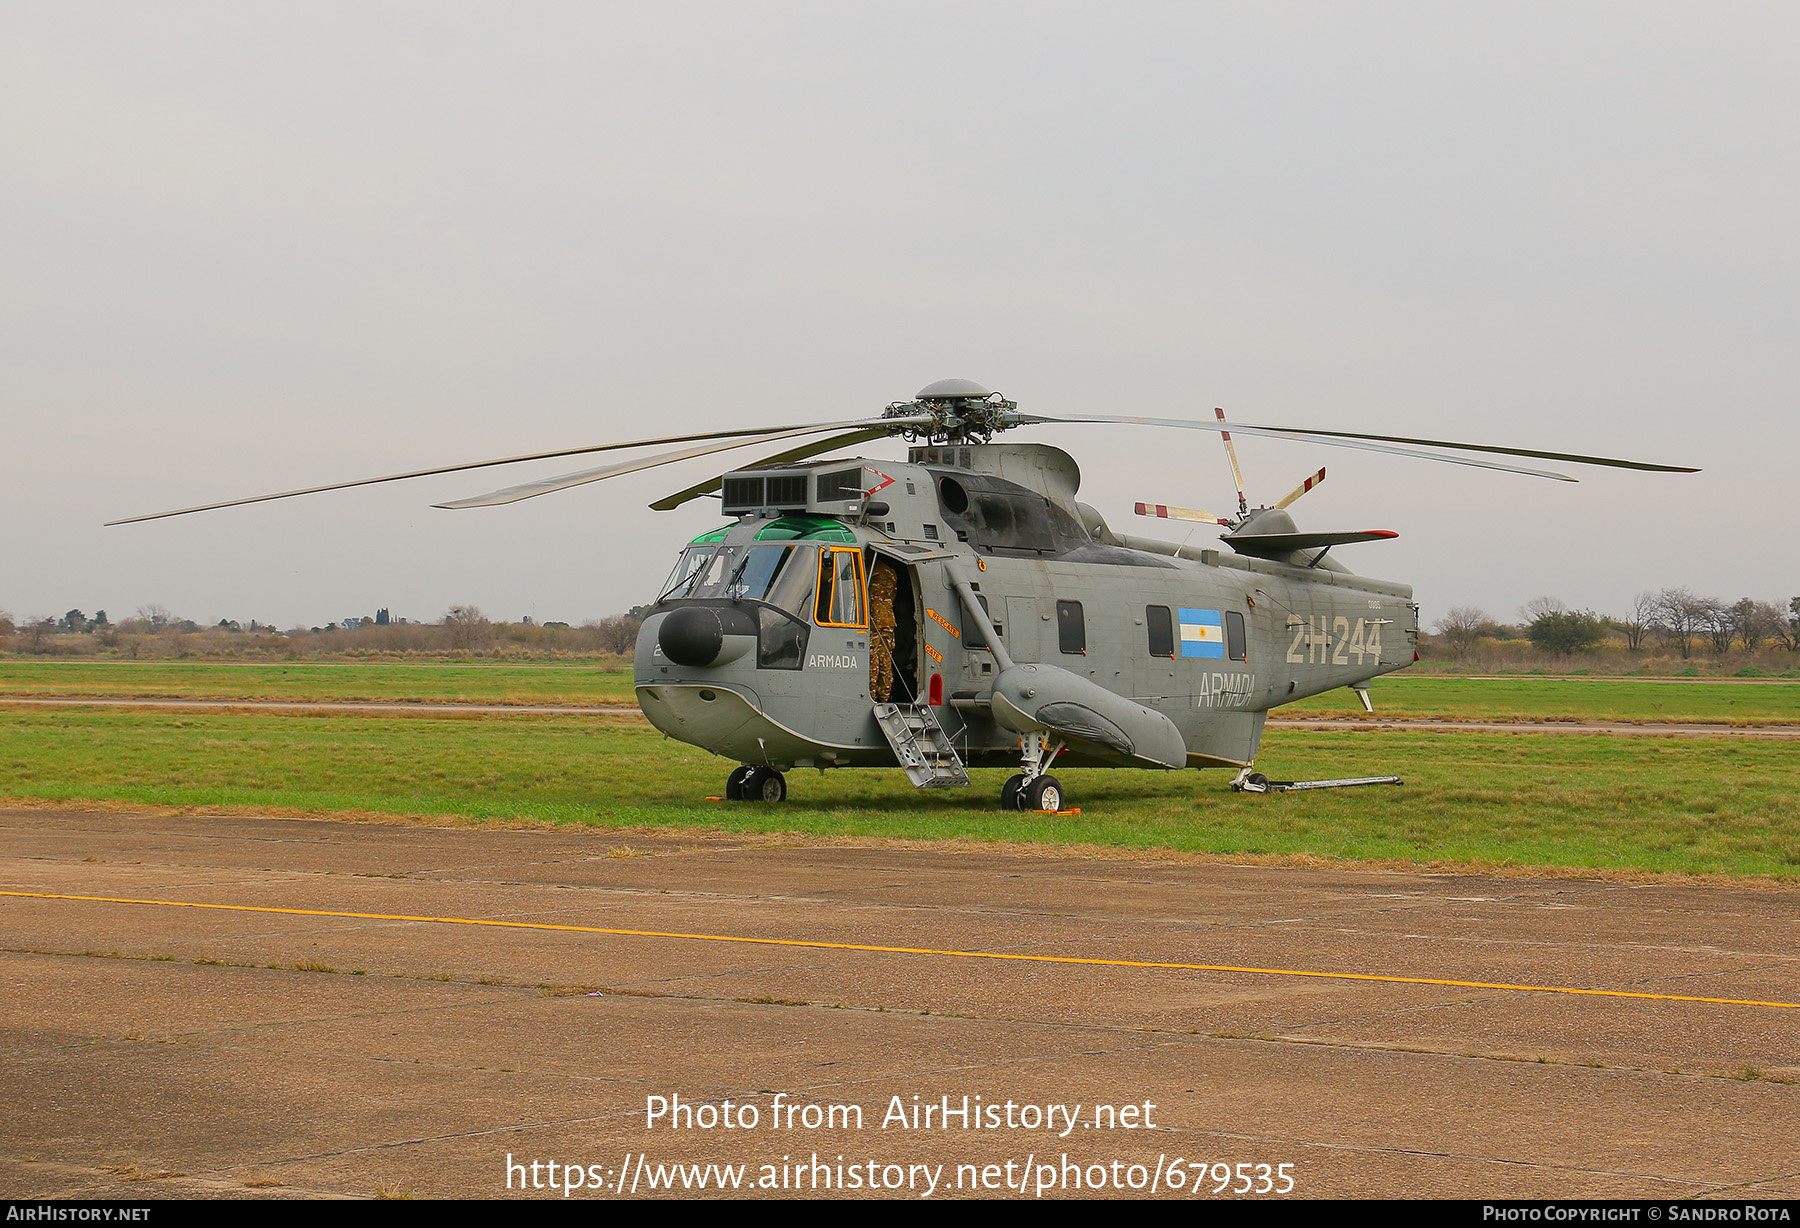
{"x":840,"y":599}
{"x":1071,"y":628}
{"x":1161,"y":626}
{"x":1236,"y":646}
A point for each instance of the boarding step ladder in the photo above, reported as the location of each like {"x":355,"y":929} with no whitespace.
{"x":921,"y":745}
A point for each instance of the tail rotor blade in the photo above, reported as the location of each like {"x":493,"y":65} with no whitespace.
{"x":1301,"y":489}
{"x":1165,"y":512}
{"x":1236,"y":473}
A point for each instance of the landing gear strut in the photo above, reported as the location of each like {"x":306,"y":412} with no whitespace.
{"x":755,"y":784}
{"x":1032,"y":789}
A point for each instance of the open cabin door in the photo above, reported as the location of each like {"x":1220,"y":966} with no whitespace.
{"x":928,"y":657}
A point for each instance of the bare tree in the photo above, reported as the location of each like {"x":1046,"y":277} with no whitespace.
{"x":156,"y":616}
{"x":1757,"y":622}
{"x":1640,"y":622}
{"x":1716,"y":621}
{"x":1461,"y":628}
{"x":469,"y":627}
{"x":37,"y":632}
{"x":1680,"y":616}
{"x":617,"y":633}
{"x":1537,"y":607}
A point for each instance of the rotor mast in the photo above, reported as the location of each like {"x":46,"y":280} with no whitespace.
{"x":961,"y":411}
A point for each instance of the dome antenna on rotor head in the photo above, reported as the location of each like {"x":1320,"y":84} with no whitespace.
{"x":961,"y":410}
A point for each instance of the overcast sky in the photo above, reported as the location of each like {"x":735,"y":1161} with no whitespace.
{"x":245,"y":248}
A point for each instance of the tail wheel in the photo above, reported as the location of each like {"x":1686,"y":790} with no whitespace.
{"x":761,"y":784}
{"x":1009,"y":792}
{"x":1044,"y":793}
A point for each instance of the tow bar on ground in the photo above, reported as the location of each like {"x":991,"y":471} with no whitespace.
{"x":1256,"y":782}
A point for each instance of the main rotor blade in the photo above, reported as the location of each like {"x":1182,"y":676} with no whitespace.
{"x":776,"y":431}
{"x":530,"y":490}
{"x":1357,"y":439}
{"x":670,"y":502}
{"x":1573,"y":457}
{"x":1344,"y":439}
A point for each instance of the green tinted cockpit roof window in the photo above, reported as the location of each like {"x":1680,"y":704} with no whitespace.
{"x":717,"y":535}
{"x":805,"y":528}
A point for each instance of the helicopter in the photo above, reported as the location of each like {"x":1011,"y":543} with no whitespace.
{"x":963,"y":609}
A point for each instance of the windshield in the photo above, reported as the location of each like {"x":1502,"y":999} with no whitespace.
{"x":753,"y":573}
{"x":688,"y":567}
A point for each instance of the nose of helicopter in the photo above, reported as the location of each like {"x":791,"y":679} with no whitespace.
{"x":698,"y":637}
{"x":692,"y":636}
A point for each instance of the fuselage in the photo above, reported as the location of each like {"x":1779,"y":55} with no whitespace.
{"x":787,"y":645}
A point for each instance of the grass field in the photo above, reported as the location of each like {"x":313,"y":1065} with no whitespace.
{"x":1693,"y":805}
{"x":1402,"y":695}
{"x":432,"y":681}
{"x":1596,"y":699}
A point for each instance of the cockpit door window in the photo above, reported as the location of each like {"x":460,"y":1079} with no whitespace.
{"x":840,"y":594}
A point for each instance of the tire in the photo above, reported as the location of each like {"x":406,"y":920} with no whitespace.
{"x":1044,"y":793}
{"x":1256,"y":782}
{"x":763,"y":784}
{"x":1009,"y":792}
{"x":734,"y":783}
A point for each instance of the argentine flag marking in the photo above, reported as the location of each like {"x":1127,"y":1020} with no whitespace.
{"x":1202,"y":633}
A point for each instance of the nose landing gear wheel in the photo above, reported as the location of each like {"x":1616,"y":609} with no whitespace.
{"x":759,"y":784}
{"x":1009,"y":792}
{"x":1044,"y":793}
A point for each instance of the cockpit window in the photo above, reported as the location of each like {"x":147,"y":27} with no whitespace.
{"x":688,"y":567}
{"x":754,"y":572}
{"x":791,"y":587}
{"x":781,"y":574}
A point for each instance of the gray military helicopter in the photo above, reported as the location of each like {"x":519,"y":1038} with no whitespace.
{"x":964,"y":609}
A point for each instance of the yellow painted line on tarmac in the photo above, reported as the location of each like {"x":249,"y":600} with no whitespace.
{"x":857,"y":946}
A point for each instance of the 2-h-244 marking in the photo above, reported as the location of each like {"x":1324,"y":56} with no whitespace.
{"x":1313,"y":636}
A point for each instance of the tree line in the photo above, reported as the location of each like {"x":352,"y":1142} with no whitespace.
{"x":1676,"y":619}
{"x":156,"y":632}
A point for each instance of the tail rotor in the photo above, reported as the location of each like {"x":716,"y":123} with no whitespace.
{"x":1166,"y":512}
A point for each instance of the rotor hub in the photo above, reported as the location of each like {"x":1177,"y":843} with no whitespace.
{"x":961,"y":411}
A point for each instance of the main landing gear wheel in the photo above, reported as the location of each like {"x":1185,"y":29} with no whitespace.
{"x":1044,"y":793}
{"x":756,"y":784}
{"x":1009,"y":792}
{"x":734,"y":783}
